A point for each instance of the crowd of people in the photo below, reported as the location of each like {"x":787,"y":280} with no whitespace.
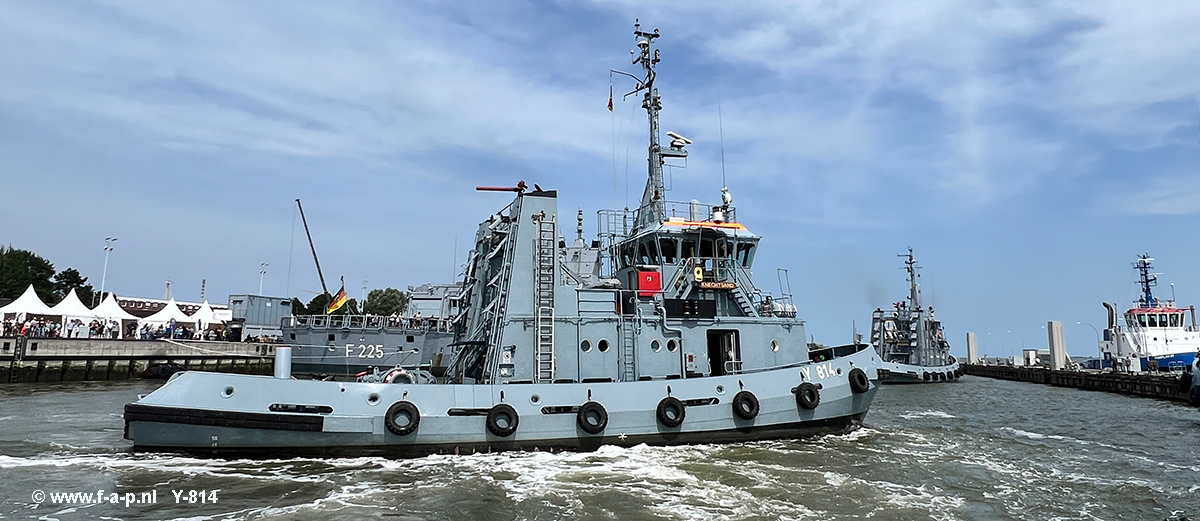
{"x":39,"y":327}
{"x":35,"y":328}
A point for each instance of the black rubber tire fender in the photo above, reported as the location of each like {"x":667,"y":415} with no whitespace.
{"x":859,"y":383}
{"x":592,"y":418}
{"x":808,"y":396}
{"x":402,"y":410}
{"x":671,"y":412}
{"x":505,"y":413}
{"x":745,"y":405}
{"x":925,"y":376}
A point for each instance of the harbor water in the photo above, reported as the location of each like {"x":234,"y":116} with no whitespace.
{"x":977,"y":449}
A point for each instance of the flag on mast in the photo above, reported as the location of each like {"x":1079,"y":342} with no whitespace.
{"x":339,"y":300}
{"x":610,"y":95}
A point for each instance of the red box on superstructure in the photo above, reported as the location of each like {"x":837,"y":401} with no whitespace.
{"x":649,"y":283}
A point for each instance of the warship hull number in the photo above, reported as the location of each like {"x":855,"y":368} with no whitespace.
{"x":364,"y":350}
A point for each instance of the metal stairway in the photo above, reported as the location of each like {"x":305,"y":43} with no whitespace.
{"x":546,"y":258}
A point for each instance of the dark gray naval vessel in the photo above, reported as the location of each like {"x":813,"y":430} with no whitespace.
{"x":675,"y":345}
{"x":910,"y":341}
{"x":415,"y":342}
{"x":341,"y":346}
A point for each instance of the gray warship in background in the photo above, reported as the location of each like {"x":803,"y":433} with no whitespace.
{"x":672,"y":345}
{"x":341,"y":346}
{"x":910,"y":341}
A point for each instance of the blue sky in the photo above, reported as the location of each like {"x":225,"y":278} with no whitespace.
{"x":1026,"y":150}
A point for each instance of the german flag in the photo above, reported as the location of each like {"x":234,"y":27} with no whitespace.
{"x":338,"y":301}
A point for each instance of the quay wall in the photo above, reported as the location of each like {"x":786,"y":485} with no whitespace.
{"x":1164,"y":387}
{"x":25,"y":360}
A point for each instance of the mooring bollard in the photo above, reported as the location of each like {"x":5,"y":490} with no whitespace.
{"x":283,"y":362}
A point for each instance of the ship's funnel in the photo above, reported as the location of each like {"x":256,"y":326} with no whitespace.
{"x":283,"y":362}
{"x":1112,"y":315}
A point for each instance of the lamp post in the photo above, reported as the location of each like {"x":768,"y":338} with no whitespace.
{"x":1098,"y":349}
{"x":108,"y":247}
{"x":1001,"y":337}
{"x":1022,"y":341}
{"x":362,"y":301}
{"x":262,"y":273}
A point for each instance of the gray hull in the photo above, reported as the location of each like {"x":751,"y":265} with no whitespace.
{"x":345,"y":351}
{"x":226,"y":414}
{"x":897,"y":373}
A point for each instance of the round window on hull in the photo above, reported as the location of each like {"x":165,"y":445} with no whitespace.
{"x":602,"y":346}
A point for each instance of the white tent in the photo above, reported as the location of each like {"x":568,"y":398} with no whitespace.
{"x":71,"y":309}
{"x":109,"y":309}
{"x":205,"y":315}
{"x":167,"y":313}
{"x":27,"y":303}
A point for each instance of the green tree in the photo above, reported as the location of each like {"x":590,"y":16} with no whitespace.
{"x":317,"y":305}
{"x":298,"y":307}
{"x":20,"y":268}
{"x":69,"y":279}
{"x":385,"y":302}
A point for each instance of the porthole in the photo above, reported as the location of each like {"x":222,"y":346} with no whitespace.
{"x":602,"y":346}
{"x":227,"y":392}
{"x":585,"y":346}
{"x":672,"y":345}
{"x":656,"y":346}
{"x":775,"y":345}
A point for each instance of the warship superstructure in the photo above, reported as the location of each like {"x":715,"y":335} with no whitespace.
{"x":910,"y":340}
{"x":343,"y":346}
{"x":1156,"y":336}
{"x":653,"y":334}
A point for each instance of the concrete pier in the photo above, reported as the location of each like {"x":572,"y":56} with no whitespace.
{"x":1164,"y":387}
{"x":25,"y":360}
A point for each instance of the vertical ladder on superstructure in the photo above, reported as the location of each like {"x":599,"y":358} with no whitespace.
{"x":547,"y":257}
{"x":628,"y":339}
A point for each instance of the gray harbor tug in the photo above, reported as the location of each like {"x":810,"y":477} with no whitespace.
{"x":910,"y":340}
{"x":653,"y":333}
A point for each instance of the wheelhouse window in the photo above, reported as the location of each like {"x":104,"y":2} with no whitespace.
{"x":1141,"y":318}
{"x":1175,"y":319}
{"x":745,"y":254}
{"x":669,"y":249}
{"x":1151,"y":319}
